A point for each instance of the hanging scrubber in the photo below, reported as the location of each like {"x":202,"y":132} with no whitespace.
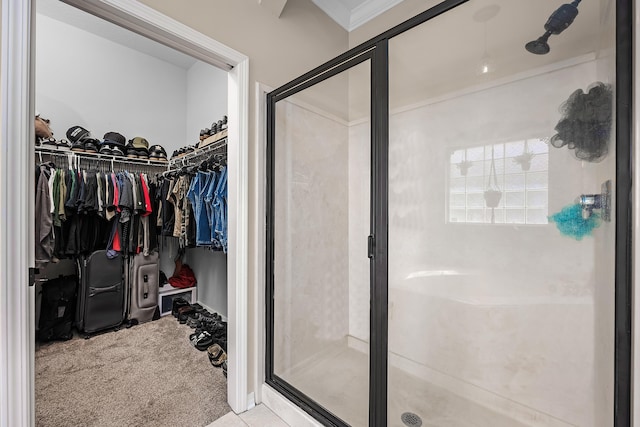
{"x":571,"y":223}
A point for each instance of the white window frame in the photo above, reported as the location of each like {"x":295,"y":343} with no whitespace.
{"x":455,"y":169}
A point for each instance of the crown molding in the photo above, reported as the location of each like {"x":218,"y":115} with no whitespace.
{"x":336,"y":11}
{"x":361,"y":14}
{"x":369,"y":10}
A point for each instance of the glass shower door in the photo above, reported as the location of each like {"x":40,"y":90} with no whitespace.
{"x":321,"y":167}
{"x":501,"y":278}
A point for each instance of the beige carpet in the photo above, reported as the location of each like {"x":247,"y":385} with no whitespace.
{"x":148,"y":375}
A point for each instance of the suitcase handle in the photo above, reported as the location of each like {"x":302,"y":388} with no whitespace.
{"x":97,"y":291}
{"x":146,"y":287}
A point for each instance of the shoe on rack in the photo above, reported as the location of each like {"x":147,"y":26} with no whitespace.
{"x":91,"y":145}
{"x":106,"y":150}
{"x":157,"y":152}
{"x":132,"y":153}
{"x":77,"y":146}
{"x":64,"y":145}
{"x":117,"y":151}
{"x":49,"y":142}
{"x":114,"y":138}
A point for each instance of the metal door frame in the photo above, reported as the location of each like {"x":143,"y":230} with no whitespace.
{"x":376,"y":50}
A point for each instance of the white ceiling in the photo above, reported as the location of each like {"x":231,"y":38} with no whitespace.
{"x":444,"y":55}
{"x":73,"y":16}
{"x":350,"y":14}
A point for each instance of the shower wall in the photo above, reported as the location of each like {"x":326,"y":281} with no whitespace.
{"x":311,"y":268}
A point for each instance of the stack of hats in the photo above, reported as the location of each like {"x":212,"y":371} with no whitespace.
{"x":113,"y":144}
{"x":81,"y":140}
{"x":138,"y":148}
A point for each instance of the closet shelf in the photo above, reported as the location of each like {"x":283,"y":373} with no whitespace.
{"x":73,"y":155}
{"x":218,"y":147}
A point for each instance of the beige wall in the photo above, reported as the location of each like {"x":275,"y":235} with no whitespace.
{"x":394,"y":16}
{"x":279,"y":50}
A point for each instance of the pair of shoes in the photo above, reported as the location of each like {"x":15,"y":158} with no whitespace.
{"x":157,"y":153}
{"x":77,"y":146}
{"x":48,"y":142}
{"x":106,"y":150}
{"x":217,"y":355}
{"x":90,"y":145}
{"x":193,"y":322}
{"x":201,"y":341}
{"x":137,"y":153}
{"x":184,"y":313}
{"x":176,"y":304}
{"x":63,"y":144}
{"x":109,"y":149}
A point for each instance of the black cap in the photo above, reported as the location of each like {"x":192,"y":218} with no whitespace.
{"x":114,"y":138}
{"x":77,"y":133}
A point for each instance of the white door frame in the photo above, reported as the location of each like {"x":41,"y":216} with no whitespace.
{"x":17,"y":328}
{"x":17,"y":210}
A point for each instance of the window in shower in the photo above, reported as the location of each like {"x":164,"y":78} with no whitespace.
{"x":521,"y":174}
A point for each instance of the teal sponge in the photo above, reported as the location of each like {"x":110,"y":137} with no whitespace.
{"x":570,"y":222}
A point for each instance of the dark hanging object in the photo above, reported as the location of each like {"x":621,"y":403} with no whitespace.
{"x":557,"y":23}
{"x":586,"y":123}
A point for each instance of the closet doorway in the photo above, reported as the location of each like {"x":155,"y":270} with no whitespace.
{"x":18,"y":121}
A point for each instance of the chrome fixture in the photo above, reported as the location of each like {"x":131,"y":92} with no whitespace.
{"x":601,"y":201}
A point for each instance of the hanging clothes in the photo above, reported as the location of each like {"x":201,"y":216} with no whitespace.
{"x":44,"y":219}
{"x":80,"y":211}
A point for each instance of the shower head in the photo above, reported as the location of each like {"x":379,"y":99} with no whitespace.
{"x":557,"y":23}
{"x":540,"y":45}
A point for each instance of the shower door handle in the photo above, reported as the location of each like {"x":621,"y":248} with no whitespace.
{"x":371,"y":244}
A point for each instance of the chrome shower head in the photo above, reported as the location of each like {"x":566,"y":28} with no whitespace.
{"x":557,"y":23}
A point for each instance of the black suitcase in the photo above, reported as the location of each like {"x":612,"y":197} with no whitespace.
{"x":58,"y":306}
{"x":101,"y":295}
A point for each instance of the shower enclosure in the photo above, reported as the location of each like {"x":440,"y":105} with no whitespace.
{"x":447,"y":227}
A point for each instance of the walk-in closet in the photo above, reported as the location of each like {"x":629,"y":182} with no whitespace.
{"x":131,"y":227}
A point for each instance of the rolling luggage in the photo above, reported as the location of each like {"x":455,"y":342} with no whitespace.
{"x":143,"y":281}
{"x":101,"y":296}
{"x":58,"y":307}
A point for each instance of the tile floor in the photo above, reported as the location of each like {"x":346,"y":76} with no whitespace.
{"x":259,"y":416}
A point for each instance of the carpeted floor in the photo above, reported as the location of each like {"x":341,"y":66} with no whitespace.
{"x":148,"y":375}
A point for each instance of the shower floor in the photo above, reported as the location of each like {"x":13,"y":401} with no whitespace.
{"x":338,"y":380}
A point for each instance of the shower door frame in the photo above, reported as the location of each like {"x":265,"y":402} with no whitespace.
{"x":376,"y":50}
